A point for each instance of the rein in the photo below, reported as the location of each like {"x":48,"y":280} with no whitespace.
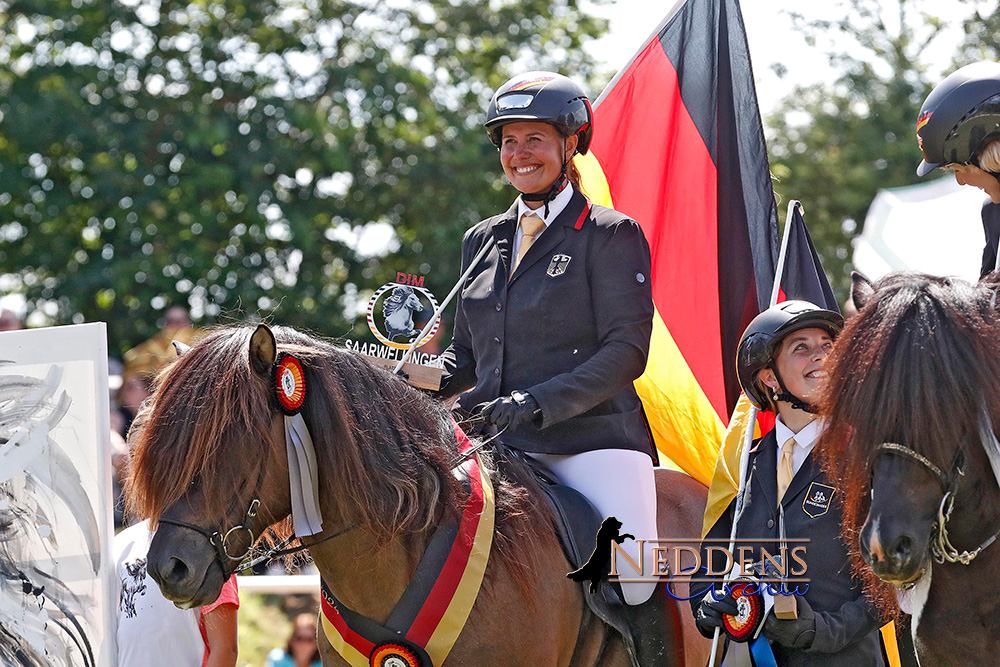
{"x":941,"y":547}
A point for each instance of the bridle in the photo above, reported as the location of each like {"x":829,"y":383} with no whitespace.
{"x":941,"y":547}
{"x":221,"y":541}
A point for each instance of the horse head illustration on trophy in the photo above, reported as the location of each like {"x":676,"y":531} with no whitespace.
{"x":398,"y":310}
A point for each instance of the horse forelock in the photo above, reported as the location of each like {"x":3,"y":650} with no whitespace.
{"x":208,"y":420}
{"x":916,"y":367}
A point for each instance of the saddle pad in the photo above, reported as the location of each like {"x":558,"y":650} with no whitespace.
{"x":578,"y":523}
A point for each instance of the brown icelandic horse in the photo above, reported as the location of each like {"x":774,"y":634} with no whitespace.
{"x":911,"y":407}
{"x":212,"y":439}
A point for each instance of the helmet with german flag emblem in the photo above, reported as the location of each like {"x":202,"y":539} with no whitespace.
{"x":761,"y":341}
{"x":544,"y":97}
{"x":960,"y":117}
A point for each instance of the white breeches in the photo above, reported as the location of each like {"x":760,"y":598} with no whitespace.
{"x":620,"y":483}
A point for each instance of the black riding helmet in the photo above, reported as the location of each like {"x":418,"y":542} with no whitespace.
{"x":960,"y":116}
{"x":544,"y":97}
{"x":762,"y":340}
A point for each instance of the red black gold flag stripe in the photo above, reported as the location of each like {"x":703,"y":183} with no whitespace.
{"x":679,"y":146}
{"x":428,"y":620}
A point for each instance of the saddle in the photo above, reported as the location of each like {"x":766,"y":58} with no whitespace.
{"x":578,"y":523}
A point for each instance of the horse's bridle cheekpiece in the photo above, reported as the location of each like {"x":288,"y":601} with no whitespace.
{"x":941,"y":547}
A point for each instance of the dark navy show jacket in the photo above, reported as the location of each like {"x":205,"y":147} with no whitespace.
{"x":571,"y":327}
{"x":846,"y":623}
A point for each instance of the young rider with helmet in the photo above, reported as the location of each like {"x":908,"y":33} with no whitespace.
{"x":780,"y":368}
{"x":553,"y":324}
{"x":958,"y":128}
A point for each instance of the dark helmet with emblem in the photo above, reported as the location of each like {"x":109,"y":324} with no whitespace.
{"x":960,"y":116}
{"x":544,"y":97}
{"x":761,"y":341}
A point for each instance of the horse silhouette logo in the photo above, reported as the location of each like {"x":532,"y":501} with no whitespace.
{"x":594,"y":570}
{"x":132,"y":585}
{"x":399,"y":305}
{"x":397,"y":311}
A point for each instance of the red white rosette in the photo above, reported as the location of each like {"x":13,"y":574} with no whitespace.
{"x":745,"y":592}
{"x":290,"y":384}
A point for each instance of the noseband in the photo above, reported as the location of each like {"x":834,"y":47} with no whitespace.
{"x":941,"y":547}
{"x":220,"y":541}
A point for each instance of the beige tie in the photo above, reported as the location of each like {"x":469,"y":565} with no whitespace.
{"x":531,"y":226}
{"x":785,"y":470}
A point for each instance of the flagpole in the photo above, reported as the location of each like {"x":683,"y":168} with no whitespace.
{"x":792,"y":205}
{"x":444,"y":304}
{"x":752,"y":415}
{"x":656,"y":31}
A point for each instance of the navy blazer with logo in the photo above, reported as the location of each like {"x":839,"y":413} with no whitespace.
{"x":846,"y":623}
{"x":571,"y":327}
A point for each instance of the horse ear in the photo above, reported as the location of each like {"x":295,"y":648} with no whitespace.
{"x":180,"y":348}
{"x":263,"y":350}
{"x":861,"y":289}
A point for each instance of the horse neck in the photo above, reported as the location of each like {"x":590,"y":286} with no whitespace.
{"x":364,"y":570}
{"x":368,"y":575}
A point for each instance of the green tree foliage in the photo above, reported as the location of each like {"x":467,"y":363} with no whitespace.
{"x":982,"y":34}
{"x":834,"y":147}
{"x":227,"y":154}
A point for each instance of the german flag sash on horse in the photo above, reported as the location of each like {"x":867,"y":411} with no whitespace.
{"x":430,"y":615}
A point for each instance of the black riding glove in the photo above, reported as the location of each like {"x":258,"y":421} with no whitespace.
{"x":708,"y":614}
{"x":512,"y":411}
{"x":794,"y":632}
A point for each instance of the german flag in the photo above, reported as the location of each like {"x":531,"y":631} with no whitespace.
{"x":678,"y":146}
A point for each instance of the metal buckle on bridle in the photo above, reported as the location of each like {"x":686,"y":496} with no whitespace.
{"x":941,"y":547}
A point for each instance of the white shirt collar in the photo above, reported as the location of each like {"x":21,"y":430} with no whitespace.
{"x":805,"y":438}
{"x":556,"y":206}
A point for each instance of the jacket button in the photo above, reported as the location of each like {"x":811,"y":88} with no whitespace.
{"x":499,"y":307}
{"x":496,"y":371}
{"x":496,"y":339}
{"x":770,"y":523}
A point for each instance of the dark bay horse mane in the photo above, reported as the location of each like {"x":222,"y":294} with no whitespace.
{"x":385,"y":451}
{"x":928,"y":350}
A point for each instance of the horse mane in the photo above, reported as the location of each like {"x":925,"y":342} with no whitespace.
{"x":385,"y":450}
{"x":916,"y":366}
{"x":396,"y":300}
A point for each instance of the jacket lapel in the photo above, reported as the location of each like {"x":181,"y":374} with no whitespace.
{"x":765,"y":470}
{"x":809,"y":471}
{"x":503,"y":233}
{"x":552,"y":236}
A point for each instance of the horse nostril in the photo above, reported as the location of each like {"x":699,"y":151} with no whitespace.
{"x":903,"y":547}
{"x":175,"y":571}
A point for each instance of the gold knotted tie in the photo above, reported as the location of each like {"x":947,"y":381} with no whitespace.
{"x":531,"y":226}
{"x":785,"y":469}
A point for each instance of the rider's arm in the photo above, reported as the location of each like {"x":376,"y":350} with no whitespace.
{"x":459,"y":362}
{"x":220,"y":634}
{"x":618,"y":274}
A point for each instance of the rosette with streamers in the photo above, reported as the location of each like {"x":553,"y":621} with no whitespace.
{"x":303,"y":472}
